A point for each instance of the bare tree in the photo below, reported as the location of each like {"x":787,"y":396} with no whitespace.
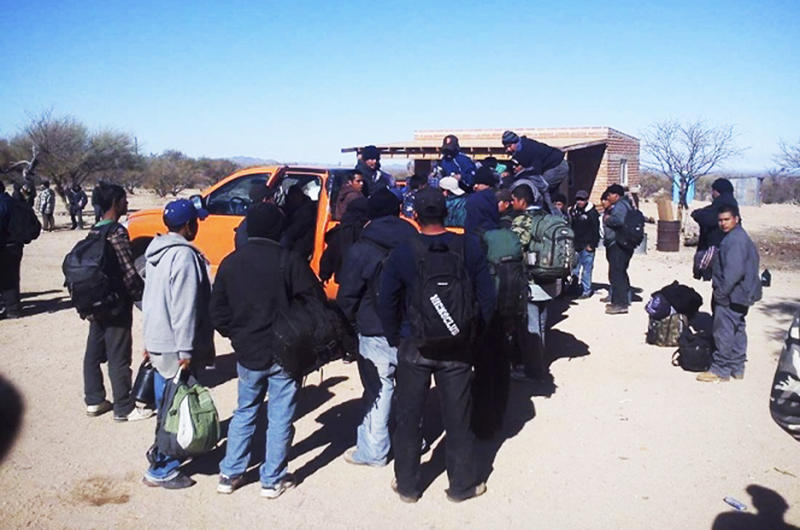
{"x":69,"y":154}
{"x":789,"y":159}
{"x":684,"y":152}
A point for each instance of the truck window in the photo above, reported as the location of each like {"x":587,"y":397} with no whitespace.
{"x":234,"y":197}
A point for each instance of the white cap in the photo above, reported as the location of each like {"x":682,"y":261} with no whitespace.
{"x":451,"y":184}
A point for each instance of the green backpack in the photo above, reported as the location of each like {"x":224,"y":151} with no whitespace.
{"x":190,"y":426}
{"x":551,"y":252}
{"x":504,"y":254}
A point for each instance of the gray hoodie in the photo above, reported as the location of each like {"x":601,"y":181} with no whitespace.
{"x":176,"y":299}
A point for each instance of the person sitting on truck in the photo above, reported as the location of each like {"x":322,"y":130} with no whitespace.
{"x":301,"y":219}
{"x":370,"y":167}
{"x":455,"y":163}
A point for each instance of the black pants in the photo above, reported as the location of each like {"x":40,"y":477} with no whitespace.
{"x":618,"y":261}
{"x":48,"y":222}
{"x":76,"y":217}
{"x":10,"y":261}
{"x":109,"y":340}
{"x":492,"y":375}
{"x":453,"y":380}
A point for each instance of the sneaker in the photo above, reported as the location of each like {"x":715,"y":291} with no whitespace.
{"x":408,"y":499}
{"x":475,"y":491}
{"x":616,"y":310}
{"x":137,"y":414}
{"x":606,"y":300}
{"x":99,"y":409}
{"x":711,"y":377}
{"x":275,"y":491}
{"x":350,"y":458}
{"x":228,"y":484}
{"x":178,"y":482}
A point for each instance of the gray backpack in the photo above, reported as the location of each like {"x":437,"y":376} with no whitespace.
{"x":551,"y":252}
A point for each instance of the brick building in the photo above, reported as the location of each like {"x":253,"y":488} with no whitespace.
{"x":597,"y":156}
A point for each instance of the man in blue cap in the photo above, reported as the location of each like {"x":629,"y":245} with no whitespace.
{"x":178,"y":333}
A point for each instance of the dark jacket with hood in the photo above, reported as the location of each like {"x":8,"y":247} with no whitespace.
{"x":537,"y":155}
{"x":248,"y":293}
{"x":299,"y":227}
{"x":710,"y":234}
{"x":482,"y":212}
{"x":736,"y":280}
{"x":586,"y":225}
{"x":341,"y":237}
{"x":374,"y":179}
{"x":356,"y":289}
{"x":346,"y":195}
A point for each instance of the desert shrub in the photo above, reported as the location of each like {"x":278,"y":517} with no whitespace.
{"x":780,"y":189}
{"x":653,"y":184}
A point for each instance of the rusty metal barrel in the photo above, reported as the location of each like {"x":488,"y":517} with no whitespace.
{"x":669,"y":236}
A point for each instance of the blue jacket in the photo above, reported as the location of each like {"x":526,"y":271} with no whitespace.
{"x":456,"y":210}
{"x":355,"y":296}
{"x":461,"y":164}
{"x":482,"y":212}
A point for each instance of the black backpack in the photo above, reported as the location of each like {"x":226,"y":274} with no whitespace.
{"x":631,"y":234}
{"x":89,"y":275}
{"x":309,"y":333}
{"x":694,"y":351}
{"x":443,"y":309}
{"x":505,"y":257}
{"x":23,"y":226}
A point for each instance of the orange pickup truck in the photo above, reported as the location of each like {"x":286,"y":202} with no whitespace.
{"x":228,"y":200}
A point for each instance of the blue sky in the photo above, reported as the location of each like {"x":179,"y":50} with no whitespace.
{"x":299,"y":80}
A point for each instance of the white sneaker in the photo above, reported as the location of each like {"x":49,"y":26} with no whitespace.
{"x":100,"y":408}
{"x":136,"y":414}
{"x":273,"y":492}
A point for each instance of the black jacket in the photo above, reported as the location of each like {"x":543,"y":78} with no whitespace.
{"x":586,"y":225}
{"x":355,"y":296}
{"x":249,"y":290}
{"x":541,"y":157}
{"x":337,"y":240}
{"x":299,"y":228}
{"x":710,"y":234}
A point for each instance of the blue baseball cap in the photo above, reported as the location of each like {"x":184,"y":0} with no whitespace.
{"x":181,"y":211}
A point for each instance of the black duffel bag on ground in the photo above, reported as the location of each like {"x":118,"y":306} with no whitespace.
{"x":694,"y":351}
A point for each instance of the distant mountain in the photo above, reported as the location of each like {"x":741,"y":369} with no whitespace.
{"x":247,"y":161}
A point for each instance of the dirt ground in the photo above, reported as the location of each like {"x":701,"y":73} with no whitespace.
{"x":624,"y":440}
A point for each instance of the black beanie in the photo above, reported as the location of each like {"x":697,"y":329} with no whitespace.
{"x":370,"y":152}
{"x":264,"y":220}
{"x":510,"y":137}
{"x":382,"y":203}
{"x":722,"y":185}
{"x":484,"y":175}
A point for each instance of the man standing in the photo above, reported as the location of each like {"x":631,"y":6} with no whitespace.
{"x":357,"y":297}
{"x":47,"y":205}
{"x":252,"y":285}
{"x":406,"y":290}
{"x":532,"y":333}
{"x":370,"y":168}
{"x":455,"y":163}
{"x":619,"y":258}
{"x":736,"y":286}
{"x":710,"y":233}
{"x":177,"y":326}
{"x":455,"y":202}
{"x":10,"y":259}
{"x":110,"y":334}
{"x":77,"y":201}
{"x":585,"y":221}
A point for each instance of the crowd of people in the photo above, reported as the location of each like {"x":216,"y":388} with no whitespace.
{"x":425,"y":301}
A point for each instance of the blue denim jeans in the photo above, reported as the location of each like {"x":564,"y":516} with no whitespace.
{"x":377,"y":363}
{"x":282,"y":391}
{"x":164,"y":467}
{"x":585,"y":262}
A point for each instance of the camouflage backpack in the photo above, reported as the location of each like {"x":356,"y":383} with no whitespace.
{"x":666,"y":331}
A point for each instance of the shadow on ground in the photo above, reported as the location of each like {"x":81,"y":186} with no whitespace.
{"x":770,"y":508}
